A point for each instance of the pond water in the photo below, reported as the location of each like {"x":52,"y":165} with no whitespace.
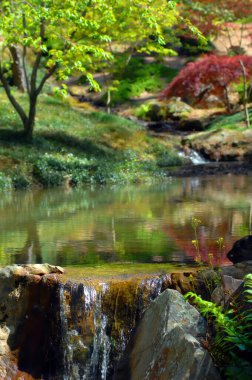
{"x":127,"y":227}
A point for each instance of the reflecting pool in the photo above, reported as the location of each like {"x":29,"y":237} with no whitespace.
{"x":130,"y":225}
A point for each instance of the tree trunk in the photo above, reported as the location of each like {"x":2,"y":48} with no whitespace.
{"x":227,"y":101}
{"x":245,"y":95}
{"x":30,"y":122}
{"x":18,"y":71}
{"x":108,"y":101}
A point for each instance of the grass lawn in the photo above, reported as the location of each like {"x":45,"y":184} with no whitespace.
{"x":76,"y":146}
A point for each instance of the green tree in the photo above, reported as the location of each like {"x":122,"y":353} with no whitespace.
{"x":63,"y":37}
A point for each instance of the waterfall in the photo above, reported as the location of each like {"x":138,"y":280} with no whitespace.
{"x":194,"y":157}
{"x":96,"y":322}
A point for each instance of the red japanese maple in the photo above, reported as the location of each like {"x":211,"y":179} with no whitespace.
{"x":210,"y":75}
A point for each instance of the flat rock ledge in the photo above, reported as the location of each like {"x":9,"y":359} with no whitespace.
{"x":30,"y":269}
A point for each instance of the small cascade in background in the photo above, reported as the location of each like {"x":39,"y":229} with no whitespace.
{"x":97,"y":320}
{"x":194,"y":157}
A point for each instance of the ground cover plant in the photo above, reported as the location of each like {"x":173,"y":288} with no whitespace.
{"x":234,"y":121}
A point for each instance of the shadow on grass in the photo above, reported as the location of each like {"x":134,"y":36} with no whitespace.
{"x":10,"y":136}
{"x":85,"y":145}
{"x":47,"y":141}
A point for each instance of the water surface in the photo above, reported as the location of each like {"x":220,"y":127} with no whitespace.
{"x":125,"y":226}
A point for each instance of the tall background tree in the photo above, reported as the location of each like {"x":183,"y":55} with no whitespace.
{"x":215,"y":18}
{"x":63,"y":37}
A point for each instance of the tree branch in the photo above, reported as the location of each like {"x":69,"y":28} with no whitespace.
{"x":245,"y":94}
{"x":44,"y":79}
{"x":12,"y":99}
{"x":38,"y":59}
{"x":24,"y":59}
{"x":35,"y":72}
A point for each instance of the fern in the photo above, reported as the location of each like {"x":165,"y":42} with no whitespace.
{"x":233,"y":328}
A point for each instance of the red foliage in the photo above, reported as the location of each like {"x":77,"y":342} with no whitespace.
{"x":210,"y":75}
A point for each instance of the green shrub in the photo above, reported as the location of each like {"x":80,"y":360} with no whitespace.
{"x":169,"y":159}
{"x":21,"y":174}
{"x":138,"y":77}
{"x":21,"y":181}
{"x":5,"y":182}
{"x":130,"y":169}
{"x":53,"y":170}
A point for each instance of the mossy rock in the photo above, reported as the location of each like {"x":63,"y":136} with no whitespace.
{"x":177,"y":109}
{"x":160,"y":111}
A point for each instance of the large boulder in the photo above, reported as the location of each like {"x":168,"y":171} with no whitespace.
{"x":242,"y":250}
{"x":166,"y":344}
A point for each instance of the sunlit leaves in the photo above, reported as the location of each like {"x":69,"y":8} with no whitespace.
{"x":86,"y":31}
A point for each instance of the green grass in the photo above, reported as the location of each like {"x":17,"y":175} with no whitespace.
{"x":230,"y":121}
{"x":76,"y":146}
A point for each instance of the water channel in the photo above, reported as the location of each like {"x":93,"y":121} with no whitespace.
{"x":145,"y":226}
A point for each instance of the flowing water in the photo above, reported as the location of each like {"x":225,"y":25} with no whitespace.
{"x":143,"y":226}
{"x":97,"y":320}
{"x":194,"y":157}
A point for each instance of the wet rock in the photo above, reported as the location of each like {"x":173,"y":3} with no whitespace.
{"x":4,"y":348}
{"x":213,"y":168}
{"x":223,"y":292}
{"x":12,"y":271}
{"x":160,"y":126}
{"x":241,"y":251}
{"x":29,"y":322}
{"x":202,"y":282}
{"x":184,"y":282}
{"x":217,"y":145}
{"x":190,"y":125}
{"x":155,"y":112}
{"x":166,"y":344}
